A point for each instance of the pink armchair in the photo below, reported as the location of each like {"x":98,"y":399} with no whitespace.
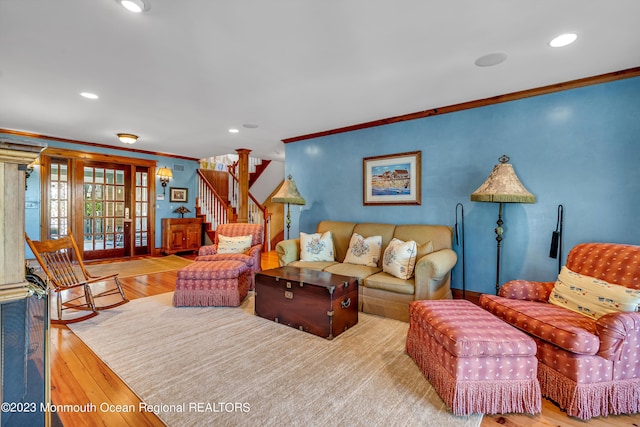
{"x":589,"y":367}
{"x":251,"y":258}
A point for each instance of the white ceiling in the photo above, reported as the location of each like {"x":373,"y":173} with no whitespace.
{"x":184,"y":72}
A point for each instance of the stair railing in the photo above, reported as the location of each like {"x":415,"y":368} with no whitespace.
{"x":213,"y":207}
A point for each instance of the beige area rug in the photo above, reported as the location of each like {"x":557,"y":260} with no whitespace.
{"x":139,"y":266}
{"x":227,"y":367}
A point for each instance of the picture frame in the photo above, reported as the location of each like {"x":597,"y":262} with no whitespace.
{"x":178,"y":194}
{"x":393,"y":179}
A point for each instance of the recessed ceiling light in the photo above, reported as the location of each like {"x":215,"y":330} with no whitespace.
{"x":135,"y":6}
{"x":89,"y":95}
{"x":491,"y":59}
{"x":563,"y":40}
{"x":233,"y":131}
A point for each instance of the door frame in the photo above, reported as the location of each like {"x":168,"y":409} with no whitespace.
{"x":76,"y":199}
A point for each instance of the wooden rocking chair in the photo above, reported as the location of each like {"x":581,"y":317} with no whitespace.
{"x":60,"y":259}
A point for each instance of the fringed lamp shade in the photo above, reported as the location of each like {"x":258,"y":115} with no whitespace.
{"x":290,"y":195}
{"x":503,"y":186}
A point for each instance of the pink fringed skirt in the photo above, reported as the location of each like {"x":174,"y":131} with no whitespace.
{"x":476,"y":362}
{"x":212,"y":283}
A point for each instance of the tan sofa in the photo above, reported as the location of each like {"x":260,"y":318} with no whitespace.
{"x":381,"y":293}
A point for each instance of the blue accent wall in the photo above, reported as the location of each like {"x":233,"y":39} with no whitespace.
{"x":164,"y":209}
{"x":579,"y":148}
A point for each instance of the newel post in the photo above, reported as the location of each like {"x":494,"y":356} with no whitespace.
{"x":243,"y":184}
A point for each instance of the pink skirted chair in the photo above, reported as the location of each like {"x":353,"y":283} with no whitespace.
{"x":588,"y":352}
{"x":476,"y":362}
{"x":251,"y":257}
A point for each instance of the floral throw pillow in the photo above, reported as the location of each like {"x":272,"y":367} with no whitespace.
{"x":364,"y":251}
{"x":316,"y":247}
{"x":233,"y":244}
{"x":400,"y":258}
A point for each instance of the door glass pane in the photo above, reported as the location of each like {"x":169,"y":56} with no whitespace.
{"x":109,"y":222}
{"x":63,"y":188}
{"x":99,"y":175}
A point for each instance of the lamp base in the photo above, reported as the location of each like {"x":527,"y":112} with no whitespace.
{"x":288,"y":219}
{"x":499,"y":231}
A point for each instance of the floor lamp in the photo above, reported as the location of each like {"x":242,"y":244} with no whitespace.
{"x":502,"y":186}
{"x":290,"y":195}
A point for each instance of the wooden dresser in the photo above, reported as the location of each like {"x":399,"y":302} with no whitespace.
{"x":181,"y":235}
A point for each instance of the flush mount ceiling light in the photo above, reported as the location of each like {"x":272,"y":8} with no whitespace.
{"x":233,"y":131}
{"x":491,"y":59}
{"x":563,"y":40}
{"x":135,"y":6}
{"x":89,"y":95}
{"x":127,"y":138}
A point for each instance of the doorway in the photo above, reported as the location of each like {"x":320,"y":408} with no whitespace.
{"x":104,"y":200}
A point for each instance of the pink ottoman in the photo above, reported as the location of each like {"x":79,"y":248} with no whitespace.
{"x":476,"y":362}
{"x":212,"y":283}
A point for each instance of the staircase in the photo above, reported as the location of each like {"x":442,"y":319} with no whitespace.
{"x":218,"y":195}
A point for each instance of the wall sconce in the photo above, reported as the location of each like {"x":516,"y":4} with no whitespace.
{"x":165,"y":175}
{"x":28,"y":170}
{"x":127,"y":138}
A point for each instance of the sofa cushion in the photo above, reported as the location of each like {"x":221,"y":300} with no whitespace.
{"x":233,"y":244}
{"x":564,"y":328}
{"x":424,"y":249}
{"x":387,"y":282}
{"x":400,"y":258}
{"x":364,"y":250}
{"x":352,"y":270}
{"x":316,"y":247}
{"x":440,"y":235}
{"x":313,"y":265}
{"x":590,"y":296}
{"x":341,"y":233}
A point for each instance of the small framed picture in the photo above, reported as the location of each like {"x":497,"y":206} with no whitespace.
{"x":393,"y":179}
{"x":177,"y":194}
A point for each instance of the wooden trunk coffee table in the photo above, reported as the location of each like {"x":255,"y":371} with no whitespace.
{"x":317,"y":302}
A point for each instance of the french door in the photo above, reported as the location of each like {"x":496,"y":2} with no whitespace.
{"x":106,"y":204}
{"x":105,"y":208}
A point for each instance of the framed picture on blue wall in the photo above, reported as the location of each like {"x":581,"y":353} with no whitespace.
{"x":392,"y":179}
{"x":177,"y":194}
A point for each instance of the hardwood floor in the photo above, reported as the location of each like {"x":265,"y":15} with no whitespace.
{"x":78,"y":377}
